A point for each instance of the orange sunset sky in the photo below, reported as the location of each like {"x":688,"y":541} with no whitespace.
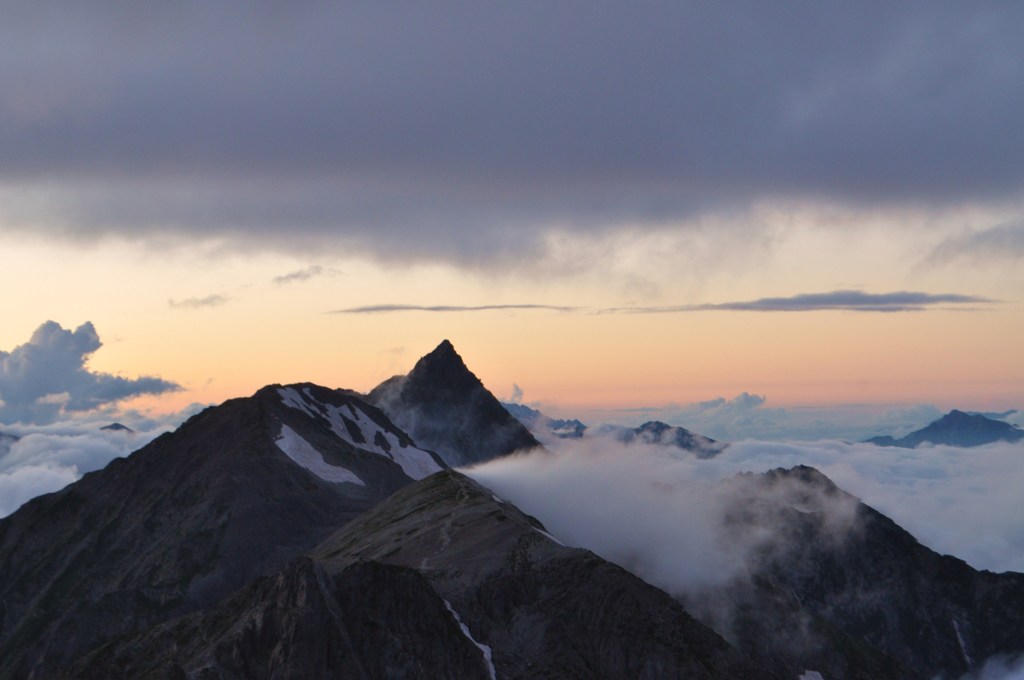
{"x":641,"y":207}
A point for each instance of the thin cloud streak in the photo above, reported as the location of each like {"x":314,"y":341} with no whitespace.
{"x":386,"y":309}
{"x":848,"y":300}
{"x":199,"y":303}
{"x":303,"y":275}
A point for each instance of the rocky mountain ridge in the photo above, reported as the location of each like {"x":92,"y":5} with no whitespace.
{"x":301,"y":533}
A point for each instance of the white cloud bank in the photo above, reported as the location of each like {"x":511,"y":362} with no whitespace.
{"x":35,"y":460}
{"x":751,"y":416}
{"x":658,"y":511}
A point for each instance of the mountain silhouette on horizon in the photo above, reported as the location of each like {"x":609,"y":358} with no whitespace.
{"x":956,"y":428}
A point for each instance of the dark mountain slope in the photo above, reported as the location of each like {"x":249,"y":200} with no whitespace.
{"x":836,"y":562}
{"x":442,"y":580}
{"x":448,"y":410}
{"x":956,"y":428}
{"x":369,"y":621}
{"x":189,"y":518}
{"x":545,"y":610}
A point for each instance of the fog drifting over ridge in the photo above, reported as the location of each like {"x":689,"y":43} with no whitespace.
{"x":654,"y":508}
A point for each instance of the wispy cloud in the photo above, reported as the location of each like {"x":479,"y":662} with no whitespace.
{"x":850,"y":300}
{"x":199,"y":303}
{"x":385,"y":309}
{"x":1004,"y":242}
{"x":306,"y":274}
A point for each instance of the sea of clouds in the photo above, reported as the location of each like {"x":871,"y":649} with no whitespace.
{"x":39,"y":459}
{"x":660,"y":511}
{"x":660,"y":505}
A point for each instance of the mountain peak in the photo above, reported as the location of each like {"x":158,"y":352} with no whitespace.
{"x":445,"y":347}
{"x":444,"y":369}
{"x":447,"y":409}
{"x":957,"y":428}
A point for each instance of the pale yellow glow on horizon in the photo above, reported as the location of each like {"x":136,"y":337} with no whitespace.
{"x":267,"y":332}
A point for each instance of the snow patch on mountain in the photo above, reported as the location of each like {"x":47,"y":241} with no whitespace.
{"x":356,"y":427}
{"x":291,"y":397}
{"x":305,"y":455}
{"x":963,"y":646}
{"x":415,"y":462}
{"x":484,"y":649}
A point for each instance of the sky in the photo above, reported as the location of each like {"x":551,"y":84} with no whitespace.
{"x":811,"y":212}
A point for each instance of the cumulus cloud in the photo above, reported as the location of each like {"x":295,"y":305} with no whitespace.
{"x":254,"y":126}
{"x":199,"y":303}
{"x":47,"y":377}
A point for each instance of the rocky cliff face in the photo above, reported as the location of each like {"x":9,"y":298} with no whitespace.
{"x":448,"y":410}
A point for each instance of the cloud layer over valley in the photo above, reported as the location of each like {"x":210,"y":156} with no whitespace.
{"x":659,"y":511}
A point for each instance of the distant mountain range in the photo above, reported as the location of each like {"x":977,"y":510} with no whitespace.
{"x":541,"y":425}
{"x":652,"y":432}
{"x":956,"y":428}
{"x":305,"y":532}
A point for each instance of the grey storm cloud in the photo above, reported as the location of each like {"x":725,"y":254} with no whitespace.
{"x":464,"y":132}
{"x":47,"y":377}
